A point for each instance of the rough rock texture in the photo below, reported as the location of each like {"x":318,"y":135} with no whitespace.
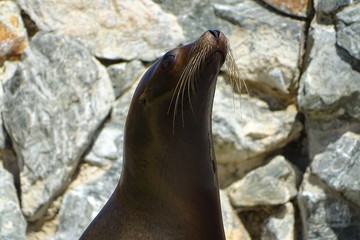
{"x":281,"y":224}
{"x":341,"y":94}
{"x":267,"y":49}
{"x":196,"y":16}
{"x":322,"y":132}
{"x":53,"y":105}
{"x":339,"y":166}
{"x":278,"y":179}
{"x":324,"y":213}
{"x":299,"y":8}
{"x":123,"y":75}
{"x":12,"y":222}
{"x":107,"y":146}
{"x":234,"y":229}
{"x":13,"y":38}
{"x":331,"y":6}
{"x":91,"y":197}
{"x":329,"y":98}
{"x":84,"y":202}
{"x":330,"y":110}
{"x":245,"y":130}
{"x":110,"y":29}
{"x":7,"y":72}
{"x":348,"y":30}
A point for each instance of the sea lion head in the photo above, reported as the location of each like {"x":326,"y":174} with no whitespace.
{"x":183,"y":81}
{"x":172,"y":103}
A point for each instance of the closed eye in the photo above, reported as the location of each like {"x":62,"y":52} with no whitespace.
{"x":167,"y":61}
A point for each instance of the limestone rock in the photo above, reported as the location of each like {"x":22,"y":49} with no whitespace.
{"x":339,"y":166}
{"x":234,"y":229}
{"x":272,"y":184}
{"x":110,"y":29}
{"x":348,"y":30}
{"x":13,"y":38}
{"x":108,"y":146}
{"x":322,"y":132}
{"x":299,"y":8}
{"x":195,"y":17}
{"x":12,"y":222}
{"x":281,"y":224}
{"x":7,"y":71}
{"x":341,"y":94}
{"x":54,"y":103}
{"x":267,"y":48}
{"x":123,"y":75}
{"x":324,"y":213}
{"x":245,"y":131}
{"x":331,"y":6}
{"x":85,"y":201}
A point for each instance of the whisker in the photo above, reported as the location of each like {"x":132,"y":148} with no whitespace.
{"x":188,"y":81}
{"x":234,"y":74}
{"x":193,"y":80}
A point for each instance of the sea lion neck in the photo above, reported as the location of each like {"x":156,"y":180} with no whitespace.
{"x":176,"y":152}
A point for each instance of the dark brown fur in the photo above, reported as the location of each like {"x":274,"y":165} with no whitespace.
{"x":168,"y":188}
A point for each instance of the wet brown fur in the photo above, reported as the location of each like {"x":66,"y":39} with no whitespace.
{"x":169,"y":188}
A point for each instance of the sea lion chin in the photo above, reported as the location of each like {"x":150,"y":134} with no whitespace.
{"x":168,"y":187}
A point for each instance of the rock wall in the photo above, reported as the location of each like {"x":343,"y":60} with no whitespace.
{"x":288,"y":153}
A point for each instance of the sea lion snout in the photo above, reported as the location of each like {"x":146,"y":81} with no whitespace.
{"x":215,"y":33}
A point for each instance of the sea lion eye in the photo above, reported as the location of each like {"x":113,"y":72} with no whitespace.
{"x":167,"y":61}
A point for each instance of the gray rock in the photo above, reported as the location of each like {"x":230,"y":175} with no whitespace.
{"x":339,"y":166}
{"x":322,"y":132}
{"x":195,"y":17}
{"x":234,"y":229}
{"x":341,"y":94}
{"x":110,"y":29}
{"x":267,"y":48}
{"x":13,"y":40}
{"x":272,"y":184}
{"x":123,"y":75}
{"x":348,"y":30}
{"x":245,"y":131}
{"x":12,"y":222}
{"x":107,"y":146}
{"x":54,"y":103}
{"x":6,"y":73}
{"x":332,"y":6}
{"x":324,"y":213}
{"x":85,"y":201}
{"x":281,"y":224}
{"x":298,"y":8}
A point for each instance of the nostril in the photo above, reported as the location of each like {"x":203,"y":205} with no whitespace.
{"x":215,"y":33}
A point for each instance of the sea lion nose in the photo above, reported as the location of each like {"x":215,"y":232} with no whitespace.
{"x":215,"y":33}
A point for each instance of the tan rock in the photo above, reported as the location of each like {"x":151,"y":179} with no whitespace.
{"x":13,"y":39}
{"x":299,"y":8}
{"x":120,"y":29}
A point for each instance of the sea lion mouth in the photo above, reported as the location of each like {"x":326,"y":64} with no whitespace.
{"x":217,"y":54}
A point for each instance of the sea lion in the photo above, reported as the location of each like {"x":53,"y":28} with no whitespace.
{"x":168,"y":187}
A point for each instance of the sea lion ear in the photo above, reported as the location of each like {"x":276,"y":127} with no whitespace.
{"x":167,"y":61}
